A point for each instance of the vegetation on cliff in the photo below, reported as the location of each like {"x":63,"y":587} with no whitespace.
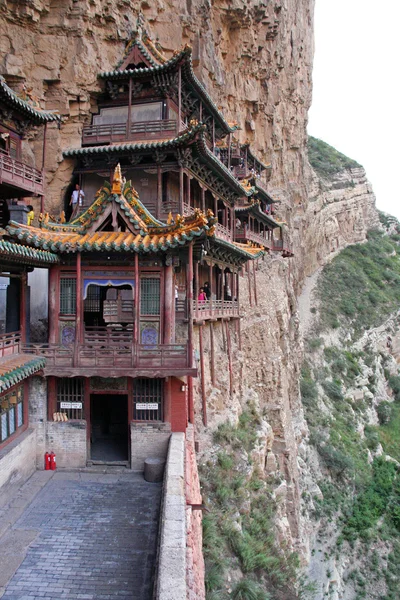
{"x":350,"y":390}
{"x":327,"y":161}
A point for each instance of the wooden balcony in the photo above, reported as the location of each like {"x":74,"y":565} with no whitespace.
{"x":211,"y":310}
{"x":23,"y":180}
{"x":10,"y":343}
{"x":120,"y":132}
{"x":244,"y":235}
{"x":122,"y":358}
{"x":223,"y":233}
{"x":282,"y":246}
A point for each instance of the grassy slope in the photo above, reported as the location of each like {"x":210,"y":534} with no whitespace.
{"x":327,"y":161}
{"x":357,"y":291}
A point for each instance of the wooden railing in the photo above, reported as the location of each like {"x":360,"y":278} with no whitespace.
{"x":223,"y":232}
{"x":10,"y":343}
{"x":118,"y":132}
{"x":125,"y":355}
{"x":187,"y":210}
{"x":215,"y":309}
{"x":18,"y":174}
{"x":245,"y":234}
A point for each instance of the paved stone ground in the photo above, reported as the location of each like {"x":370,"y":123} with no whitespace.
{"x":87,"y":536}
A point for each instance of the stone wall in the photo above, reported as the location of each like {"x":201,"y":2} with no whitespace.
{"x":148,"y":441}
{"x":17,"y":463}
{"x":69,"y":443}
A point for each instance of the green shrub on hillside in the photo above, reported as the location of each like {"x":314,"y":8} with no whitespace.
{"x":327,"y":161}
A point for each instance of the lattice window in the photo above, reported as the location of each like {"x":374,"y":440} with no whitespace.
{"x":148,"y":399}
{"x":150,"y":296}
{"x":92,"y":300}
{"x":11,"y":412}
{"x":68,"y":296}
{"x":70,"y":397}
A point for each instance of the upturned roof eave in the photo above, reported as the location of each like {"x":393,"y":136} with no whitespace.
{"x":10,"y":97}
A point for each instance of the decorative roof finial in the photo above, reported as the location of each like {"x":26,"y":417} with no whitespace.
{"x":117,"y":181}
{"x":140,"y":21}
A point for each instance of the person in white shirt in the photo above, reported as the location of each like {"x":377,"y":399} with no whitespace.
{"x":76,"y":200}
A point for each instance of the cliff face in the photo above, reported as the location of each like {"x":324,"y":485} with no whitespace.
{"x":255,"y":59}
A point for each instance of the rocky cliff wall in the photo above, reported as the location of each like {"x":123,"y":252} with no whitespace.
{"x":255,"y":59}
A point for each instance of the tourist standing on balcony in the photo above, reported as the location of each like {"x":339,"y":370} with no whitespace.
{"x":207,"y":290}
{"x":202,"y":296}
{"x":31,"y":215}
{"x":76,"y":200}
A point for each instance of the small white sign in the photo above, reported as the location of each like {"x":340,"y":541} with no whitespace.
{"x":153,"y":406}
{"x":70,"y":404}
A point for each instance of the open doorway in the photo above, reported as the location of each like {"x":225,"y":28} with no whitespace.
{"x":109,"y":427}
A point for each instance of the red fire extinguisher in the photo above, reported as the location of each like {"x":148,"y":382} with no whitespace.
{"x":53,"y":464}
{"x":47,"y":462}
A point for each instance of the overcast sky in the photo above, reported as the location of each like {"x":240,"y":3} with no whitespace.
{"x":356,"y":101}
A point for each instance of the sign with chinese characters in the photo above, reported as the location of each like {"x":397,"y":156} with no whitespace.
{"x":71,"y":405}
{"x":153,"y":406}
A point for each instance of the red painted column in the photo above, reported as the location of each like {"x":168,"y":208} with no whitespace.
{"x":180,"y":190}
{"x":167,"y":400}
{"x":212,"y":353}
{"x":159,"y":191}
{"x":79,"y":303}
{"x":137,"y":301}
{"x":190,"y":399}
{"x":169,"y":307}
{"x":189,"y":288}
{"x":53,"y":307}
{"x":203,"y":385}
{"x":51,"y":397}
{"x":22,"y":307}
{"x":196,"y":286}
{"x":210,"y":281}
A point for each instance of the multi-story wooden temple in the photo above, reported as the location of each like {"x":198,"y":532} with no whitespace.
{"x":173,"y":208}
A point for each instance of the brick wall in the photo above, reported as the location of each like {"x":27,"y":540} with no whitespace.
{"x":17,"y":463}
{"x":68,"y":441}
{"x":148,"y":441}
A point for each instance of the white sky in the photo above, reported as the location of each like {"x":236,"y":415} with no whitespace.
{"x":356,"y":85}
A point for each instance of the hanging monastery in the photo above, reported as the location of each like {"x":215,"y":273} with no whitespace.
{"x":175,"y":213}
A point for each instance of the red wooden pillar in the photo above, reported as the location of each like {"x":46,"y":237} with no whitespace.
{"x":203,"y":385}
{"x":87,"y":412}
{"x":137,"y":301}
{"x":168,"y":303}
{"x":79,"y":306}
{"x":128,"y":125}
{"x":189,"y":288}
{"x":196,"y":287}
{"x":190,"y":399}
{"x":22,"y":307}
{"x":212,"y":354}
{"x":53,"y":308}
{"x":255,"y":283}
{"x":188,"y":198}
{"x":159,"y":191}
{"x":203,"y":199}
{"x":180,"y":190}
{"x":51,"y":397}
{"x":167,"y":400}
{"x":211,"y":286}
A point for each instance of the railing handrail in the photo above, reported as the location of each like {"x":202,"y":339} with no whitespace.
{"x":10,"y":164}
{"x":223,"y":232}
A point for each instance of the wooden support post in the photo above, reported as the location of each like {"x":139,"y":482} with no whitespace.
{"x":181,"y":190}
{"x":255,"y":283}
{"x":179,"y":97}
{"x":249,"y":281}
{"x":239,"y":334}
{"x":229,"y":351}
{"x":203,"y":384}
{"x":159,"y":191}
{"x":22,"y":307}
{"x":129,"y":123}
{"x":189,"y":288}
{"x":212,"y":354}
{"x":167,"y":399}
{"x":188,"y":198}
{"x":191,"y":399}
{"x":79,"y":306}
{"x":203,"y":199}
{"x":52,"y":398}
{"x":168,"y":303}
{"x":137,"y":306}
{"x":87,"y":413}
{"x":53,"y":309}
{"x":211,"y":286}
{"x":196,"y":287}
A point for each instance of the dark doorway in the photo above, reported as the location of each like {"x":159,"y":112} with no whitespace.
{"x":109,"y":427}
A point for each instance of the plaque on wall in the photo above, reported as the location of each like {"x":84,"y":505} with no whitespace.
{"x":109,"y":383}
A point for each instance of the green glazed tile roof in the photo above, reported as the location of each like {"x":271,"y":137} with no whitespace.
{"x":25,"y":254}
{"x":255,"y":210}
{"x":12,"y":99}
{"x":17,"y":367}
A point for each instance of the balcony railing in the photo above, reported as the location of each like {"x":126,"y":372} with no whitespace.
{"x":223,"y":232}
{"x":187,"y":210}
{"x":10,"y":343}
{"x":118,"y":132}
{"x":244,"y":234}
{"x":19,"y":175}
{"x":215,"y":309}
{"x":121,"y":357}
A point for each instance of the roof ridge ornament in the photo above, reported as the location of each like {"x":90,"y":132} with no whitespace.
{"x":117,"y":181}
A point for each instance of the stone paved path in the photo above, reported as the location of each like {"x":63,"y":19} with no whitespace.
{"x":89,"y":536}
